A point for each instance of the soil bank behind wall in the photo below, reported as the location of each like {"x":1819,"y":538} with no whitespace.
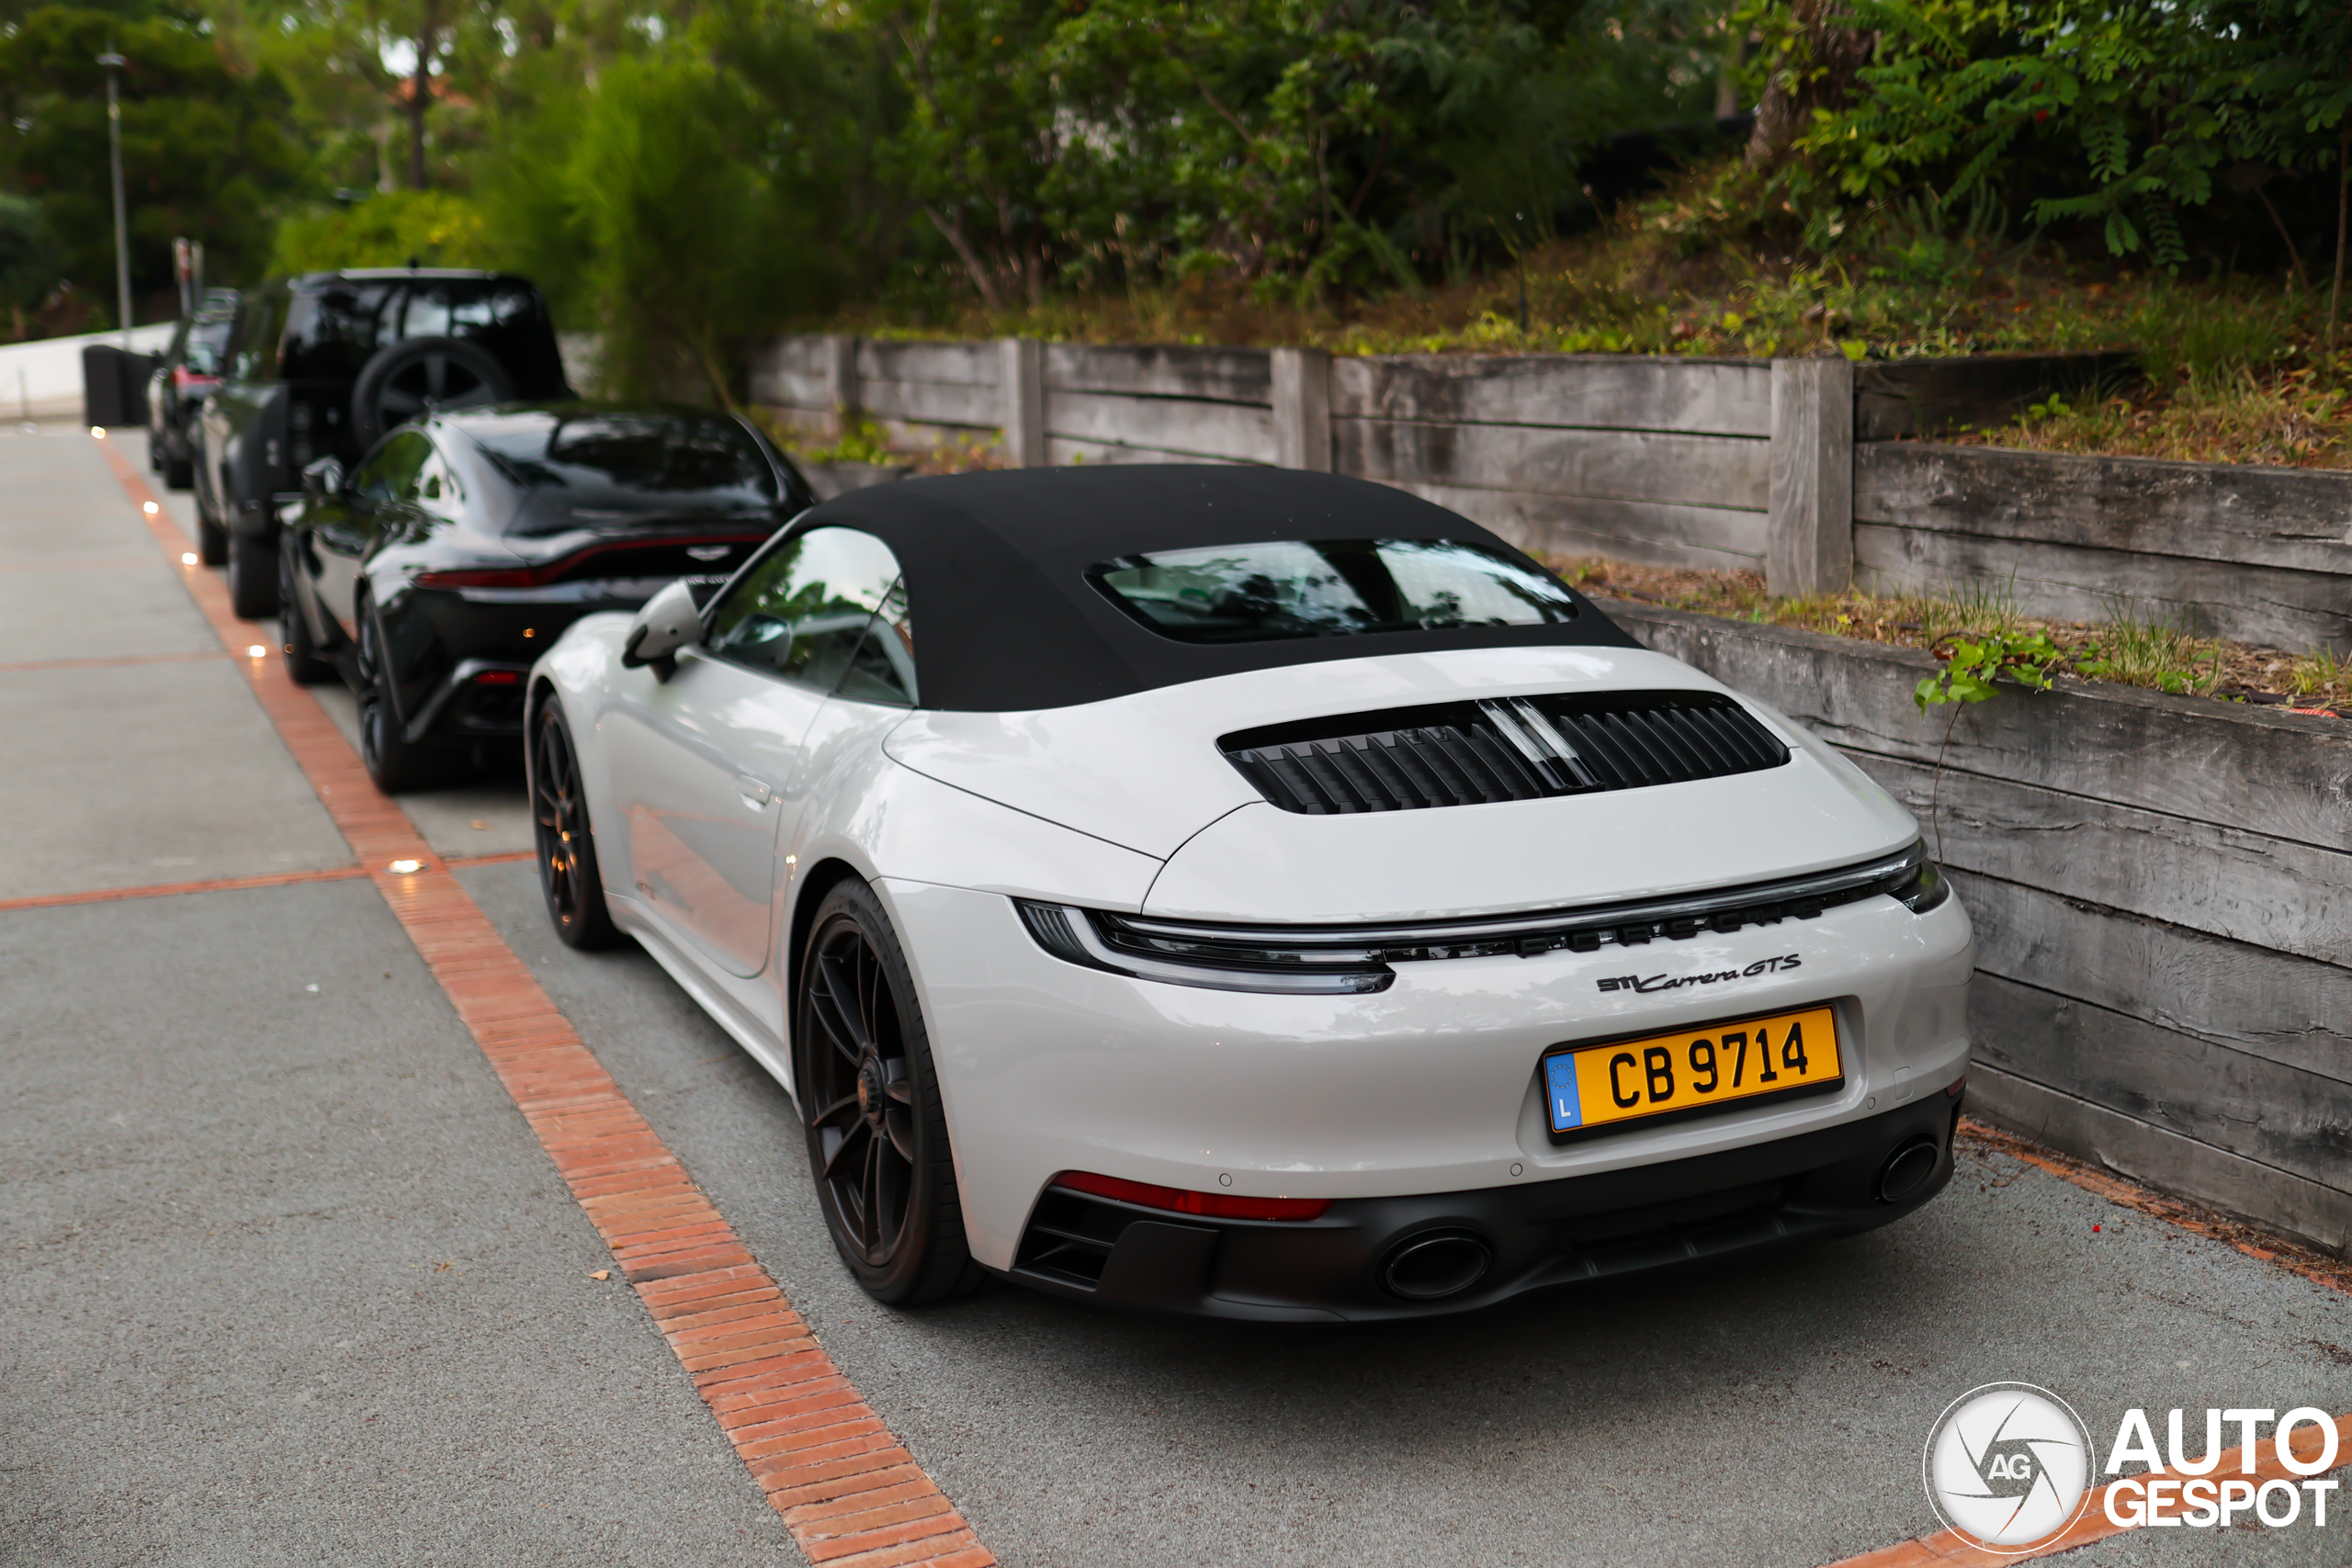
{"x":2162,"y":888}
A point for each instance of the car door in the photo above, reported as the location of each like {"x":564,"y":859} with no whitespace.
{"x":349,"y":524}
{"x":710,"y":766}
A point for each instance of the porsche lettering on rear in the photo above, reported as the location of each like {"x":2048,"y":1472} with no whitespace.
{"x":1648,"y":983}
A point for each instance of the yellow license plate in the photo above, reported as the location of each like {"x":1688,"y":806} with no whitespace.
{"x":1590,"y":1089}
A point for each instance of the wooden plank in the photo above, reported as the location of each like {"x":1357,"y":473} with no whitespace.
{"x":1655,"y":533}
{"x":2227,"y":763}
{"x":1917,"y":397}
{"x":2282,"y":1116}
{"x":1809,"y":534}
{"x":2260,"y":604}
{"x":1715,"y":471}
{"x":1232,"y":431}
{"x":790,"y":372}
{"x":1302,"y":409}
{"x":934,"y":402}
{"x":2290,"y":1010}
{"x":1021,"y":395}
{"x":1214,"y":375}
{"x":1714,"y":397}
{"x":2257,"y":517}
{"x":2162,"y":1159}
{"x":2279,"y":893}
{"x":1062,"y":449}
{"x":958,"y":364}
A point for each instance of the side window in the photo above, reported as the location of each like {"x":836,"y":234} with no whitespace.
{"x":883,"y":669}
{"x":259,"y":321}
{"x":395,"y":468}
{"x":804,"y":611}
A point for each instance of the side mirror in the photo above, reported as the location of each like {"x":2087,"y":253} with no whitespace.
{"x":323,"y":479}
{"x":669,"y":621}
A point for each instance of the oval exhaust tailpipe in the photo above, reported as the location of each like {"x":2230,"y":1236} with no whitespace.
{"x":1426,"y":1268}
{"x":1908,"y":1169}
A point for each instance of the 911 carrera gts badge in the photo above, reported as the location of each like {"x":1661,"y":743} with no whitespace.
{"x":1666,"y":983}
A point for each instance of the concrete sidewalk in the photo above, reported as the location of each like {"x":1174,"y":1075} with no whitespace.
{"x":288,"y":1280}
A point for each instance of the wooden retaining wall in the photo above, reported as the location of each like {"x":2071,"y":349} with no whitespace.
{"x":2162,"y":888}
{"x":1661,"y":460}
{"x":1783,"y":467}
{"x":2260,"y":555}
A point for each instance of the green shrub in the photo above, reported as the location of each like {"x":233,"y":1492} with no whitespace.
{"x":435,"y":228}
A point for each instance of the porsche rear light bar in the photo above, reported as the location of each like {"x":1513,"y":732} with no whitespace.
{"x":1080,"y":936}
{"x":1344,"y":958}
{"x":1176,"y":1200}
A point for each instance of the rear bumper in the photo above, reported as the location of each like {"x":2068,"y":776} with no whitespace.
{"x":480,"y":699}
{"x":1536,"y":1236}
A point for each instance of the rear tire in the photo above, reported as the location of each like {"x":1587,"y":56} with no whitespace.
{"x":253,"y":577}
{"x":393,"y":763}
{"x":869,"y":1102}
{"x":303,"y":665}
{"x":569,"y":877}
{"x":211,"y":539}
{"x":179,"y":473}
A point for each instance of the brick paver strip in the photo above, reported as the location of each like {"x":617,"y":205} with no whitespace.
{"x":668,"y":1240}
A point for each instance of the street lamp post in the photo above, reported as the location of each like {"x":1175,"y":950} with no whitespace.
{"x":114,"y":64}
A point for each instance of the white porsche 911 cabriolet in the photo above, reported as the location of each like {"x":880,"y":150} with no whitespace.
{"x":1252,"y":894}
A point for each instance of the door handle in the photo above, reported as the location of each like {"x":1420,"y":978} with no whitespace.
{"x":755,"y":794}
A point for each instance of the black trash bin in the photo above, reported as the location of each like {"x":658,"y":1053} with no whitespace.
{"x":114,"y":386}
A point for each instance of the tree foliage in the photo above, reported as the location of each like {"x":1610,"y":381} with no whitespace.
{"x":1313,"y":145}
{"x":207,"y":151}
{"x":2113,"y":116}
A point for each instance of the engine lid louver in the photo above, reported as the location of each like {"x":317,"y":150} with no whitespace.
{"x":1511,"y":748}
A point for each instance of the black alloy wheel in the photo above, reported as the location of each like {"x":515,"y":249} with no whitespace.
{"x":392,"y":761}
{"x":304,"y":667}
{"x":568,"y":875}
{"x":869,"y":1099}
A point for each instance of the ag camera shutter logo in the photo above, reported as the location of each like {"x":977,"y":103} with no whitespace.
{"x":2008,"y":1466}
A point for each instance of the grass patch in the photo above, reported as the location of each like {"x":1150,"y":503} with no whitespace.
{"x":2128,"y":647}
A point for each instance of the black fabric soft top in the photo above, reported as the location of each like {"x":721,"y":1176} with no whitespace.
{"x":1005,"y":620}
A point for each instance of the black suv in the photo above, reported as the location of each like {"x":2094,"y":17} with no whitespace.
{"x":322,"y":365}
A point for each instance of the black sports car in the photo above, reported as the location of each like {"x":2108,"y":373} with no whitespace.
{"x":458,"y":551}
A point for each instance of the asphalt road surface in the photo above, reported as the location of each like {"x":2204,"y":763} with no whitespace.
{"x":290,"y":1280}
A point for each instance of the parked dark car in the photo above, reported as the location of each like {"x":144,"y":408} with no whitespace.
{"x":460,"y":548}
{"x":322,"y":365}
{"x":182,"y":380}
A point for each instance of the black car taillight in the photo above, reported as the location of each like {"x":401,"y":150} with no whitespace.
{"x":489,"y":577}
{"x":1925,"y":887}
